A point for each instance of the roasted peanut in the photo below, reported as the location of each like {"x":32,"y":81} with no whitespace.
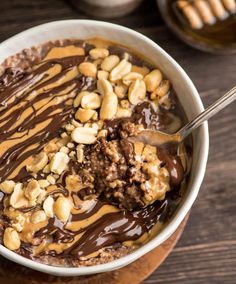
{"x":104,"y":87}
{"x":84,"y":115}
{"x":18,"y":199}
{"x":70,"y":145}
{"x":121,"y":91}
{"x":51,"y":179}
{"x":46,"y":169}
{"x":97,"y":62}
{"x":69,"y":127}
{"x":102,"y":133}
{"x":72,"y":154}
{"x":165,"y":102}
{"x":48,"y":206}
{"x":41,"y":196}
{"x":76,"y":123}
{"x":122,"y":112}
{"x":59,"y":163}
{"x":38,"y":216}
{"x":122,"y":69}
{"x":88,"y":69}
{"x":109,"y":106}
{"x":97,"y":52}
{"x":84,"y":135}
{"x":62,"y":208}
{"x":51,"y":147}
{"x":156,"y":187}
{"x":141,"y":70}
{"x":80,"y":153}
{"x":7,"y":186}
{"x":131,"y":77}
{"x":73,"y":183}
{"x":110,"y":62}
{"x":125,"y":104}
{"x":153,"y":80}
{"x":65,"y":149}
{"x":11,"y":239}
{"x":91,"y":101}
{"x":18,"y":223}
{"x":102,"y":74}
{"x":39,"y":162}
{"x":161,"y":90}
{"x":32,"y":190}
{"x":79,"y":97}
{"x":137,"y":91}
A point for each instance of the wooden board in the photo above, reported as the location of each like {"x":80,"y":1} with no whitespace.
{"x":206,"y":252}
{"x":134,"y":273}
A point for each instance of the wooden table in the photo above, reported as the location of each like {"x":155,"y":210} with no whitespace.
{"x":206,"y":252}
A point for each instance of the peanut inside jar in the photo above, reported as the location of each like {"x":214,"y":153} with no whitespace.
{"x":73,"y":189}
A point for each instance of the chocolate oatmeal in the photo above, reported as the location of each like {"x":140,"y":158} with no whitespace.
{"x":74,"y":189}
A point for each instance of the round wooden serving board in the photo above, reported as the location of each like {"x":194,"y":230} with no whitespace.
{"x":136,"y":272}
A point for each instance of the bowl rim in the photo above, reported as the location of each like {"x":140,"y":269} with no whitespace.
{"x":184,"y":207}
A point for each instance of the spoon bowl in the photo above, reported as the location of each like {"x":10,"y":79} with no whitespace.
{"x":160,"y":139}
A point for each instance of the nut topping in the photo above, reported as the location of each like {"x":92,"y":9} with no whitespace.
{"x":39,"y":162}
{"x":11,"y":239}
{"x":73,"y":183}
{"x":84,"y":115}
{"x":123,"y":112}
{"x":109,"y":106}
{"x":59,"y":163}
{"x":32,"y":190}
{"x":7,"y":186}
{"x":104,"y":87}
{"x":18,"y":199}
{"x":91,"y":101}
{"x":161,"y":90}
{"x":62,"y":208}
{"x":110,"y":62}
{"x":88,"y":69}
{"x":122,"y":69}
{"x":131,"y":77}
{"x":48,"y":206}
{"x":153,"y":80}
{"x":84,"y":135}
{"x":137,"y":91}
{"x":102,"y":74}
{"x":38,"y":216}
{"x":96,"y":53}
{"x":79,"y":97}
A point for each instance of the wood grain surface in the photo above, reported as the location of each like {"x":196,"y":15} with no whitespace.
{"x":206,"y":252}
{"x":133,"y":273}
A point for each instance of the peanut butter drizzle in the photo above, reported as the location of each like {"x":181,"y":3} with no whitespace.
{"x":33,"y":107}
{"x":60,"y":52}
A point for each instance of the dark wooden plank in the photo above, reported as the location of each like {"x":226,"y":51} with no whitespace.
{"x":206,"y":252}
{"x":18,"y":15}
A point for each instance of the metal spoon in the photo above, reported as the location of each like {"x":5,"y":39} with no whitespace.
{"x":158,"y":138}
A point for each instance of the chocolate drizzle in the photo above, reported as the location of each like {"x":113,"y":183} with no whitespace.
{"x":110,"y":229}
{"x":18,"y":95}
{"x":34,"y":105}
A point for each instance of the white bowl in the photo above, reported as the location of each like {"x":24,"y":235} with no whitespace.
{"x":187,"y":94}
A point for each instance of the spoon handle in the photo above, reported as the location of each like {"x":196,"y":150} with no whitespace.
{"x":221,"y":103}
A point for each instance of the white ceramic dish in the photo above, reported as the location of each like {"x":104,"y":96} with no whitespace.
{"x":187,"y":95}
